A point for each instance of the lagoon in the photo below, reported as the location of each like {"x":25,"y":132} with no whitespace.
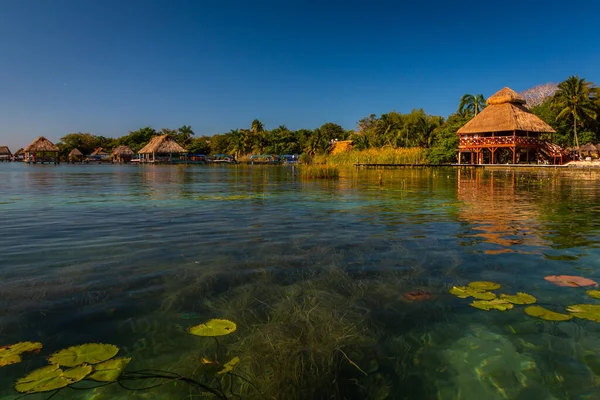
{"x":313,"y":272}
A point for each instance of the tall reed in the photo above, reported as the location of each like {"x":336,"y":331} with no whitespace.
{"x":384,"y":155}
{"x":319,"y":172}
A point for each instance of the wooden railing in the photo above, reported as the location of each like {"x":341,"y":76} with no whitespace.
{"x":470,"y":141}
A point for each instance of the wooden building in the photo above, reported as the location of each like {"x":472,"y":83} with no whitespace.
{"x":506,"y":132}
{"x":162,"y":149}
{"x":19,"y":155}
{"x":75,"y":156}
{"x":5,"y":154}
{"x":98,"y":156}
{"x":41,"y":150}
{"x":122,"y":154}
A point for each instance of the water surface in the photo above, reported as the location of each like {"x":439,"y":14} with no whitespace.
{"x":313,"y":273}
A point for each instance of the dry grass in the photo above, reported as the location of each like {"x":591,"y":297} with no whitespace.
{"x":385,"y":155}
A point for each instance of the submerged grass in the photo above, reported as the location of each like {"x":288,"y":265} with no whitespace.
{"x":384,"y":155}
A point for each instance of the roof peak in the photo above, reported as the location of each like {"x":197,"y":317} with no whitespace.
{"x":505,"y":95}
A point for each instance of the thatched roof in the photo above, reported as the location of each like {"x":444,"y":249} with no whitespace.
{"x":162,"y":144}
{"x":598,"y":146}
{"x":588,"y":147}
{"x":505,"y":112}
{"x":75,"y":153}
{"x":122,"y":151}
{"x":4,"y":151}
{"x":99,"y":152}
{"x":41,"y":144}
{"x":19,"y":152}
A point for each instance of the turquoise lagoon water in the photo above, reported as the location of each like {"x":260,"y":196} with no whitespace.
{"x":313,"y":273}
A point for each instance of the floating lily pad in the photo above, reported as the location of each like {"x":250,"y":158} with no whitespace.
{"x":90,"y":353}
{"x":570,"y":281}
{"x":519,"y":298}
{"x":78,"y":373}
{"x":544,"y":313}
{"x":593,"y":293}
{"x":109,"y":371}
{"x":585,"y":311}
{"x":496,"y":304}
{"x":43,"y":380}
{"x":463,"y":292}
{"x":11,"y":354}
{"x":484,"y":285}
{"x":229,"y":366}
{"x":214,"y":327}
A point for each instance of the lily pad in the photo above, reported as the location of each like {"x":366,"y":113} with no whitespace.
{"x":519,"y":298}
{"x":229,"y":366}
{"x":43,"y":380}
{"x":90,"y":353}
{"x":570,"y":281}
{"x":214,"y":327}
{"x":585,"y":311}
{"x":484,"y":285}
{"x":463,"y":292}
{"x":109,"y":371}
{"x":78,"y":373}
{"x":593,"y":293}
{"x":11,"y":354}
{"x":496,"y":304}
{"x":544,"y":313}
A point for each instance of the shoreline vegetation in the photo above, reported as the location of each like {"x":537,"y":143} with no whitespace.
{"x":571,"y":108}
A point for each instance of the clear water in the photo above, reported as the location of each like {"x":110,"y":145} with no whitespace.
{"x":313,"y":273}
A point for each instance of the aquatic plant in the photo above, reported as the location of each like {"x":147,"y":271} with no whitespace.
{"x":484,"y":285}
{"x":545,"y":314}
{"x":465,"y":291}
{"x":319,"y":172}
{"x":11,"y":354}
{"x":90,"y":353}
{"x":496,"y":304}
{"x":593,"y":293}
{"x":570,"y":281}
{"x":519,"y":298}
{"x":585,"y":311}
{"x":214,"y":327}
{"x":417,"y":295}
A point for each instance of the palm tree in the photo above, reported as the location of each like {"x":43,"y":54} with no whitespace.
{"x":185,"y":134}
{"x":575,"y":98}
{"x":471,"y":105}
{"x":257,"y":127}
{"x":237,"y":143}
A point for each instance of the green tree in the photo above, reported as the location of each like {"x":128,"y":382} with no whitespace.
{"x":185,"y":134}
{"x":257,"y":127}
{"x":471,"y":105}
{"x":575,"y":100}
{"x":199,"y":145}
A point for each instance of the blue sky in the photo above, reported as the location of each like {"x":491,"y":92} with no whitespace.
{"x":108,"y":67}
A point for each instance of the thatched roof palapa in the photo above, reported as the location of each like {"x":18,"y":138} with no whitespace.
{"x":75,"y":153}
{"x":99,"y":152}
{"x":5,"y":151}
{"x":41,"y":144}
{"x":19,"y":152}
{"x":162,"y":145}
{"x":122,"y":151}
{"x":588,"y":147}
{"x":505,"y":112}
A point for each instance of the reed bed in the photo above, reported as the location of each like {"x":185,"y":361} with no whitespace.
{"x":319,"y":172}
{"x":386,"y":155}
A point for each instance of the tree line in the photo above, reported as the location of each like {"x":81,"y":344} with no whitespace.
{"x":571,"y":108}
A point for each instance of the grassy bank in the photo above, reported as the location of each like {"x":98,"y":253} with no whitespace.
{"x":412,"y":155}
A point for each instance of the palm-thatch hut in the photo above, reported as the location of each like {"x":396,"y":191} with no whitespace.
{"x":507,"y":132}
{"x":19,"y":155}
{"x":588,"y":150}
{"x":162,"y":149}
{"x":5,"y":154}
{"x":41,"y":150}
{"x":75,"y":156}
{"x":122,"y":154}
{"x":98,"y":155}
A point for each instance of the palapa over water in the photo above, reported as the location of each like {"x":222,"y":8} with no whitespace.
{"x":41,"y":145}
{"x":75,"y":153}
{"x":99,"y":152}
{"x":122,"y":151}
{"x":505,"y":113}
{"x":163,"y":144}
{"x":5,"y":154}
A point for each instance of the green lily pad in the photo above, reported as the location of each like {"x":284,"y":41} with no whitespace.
{"x":519,"y":298}
{"x":109,"y":371}
{"x":585,"y":311}
{"x":229,"y":366}
{"x":484,"y":285}
{"x":214,"y":327}
{"x":43,"y":380}
{"x":544,"y":313}
{"x":496,"y":304}
{"x":78,"y":373}
{"x":463,"y":292}
{"x":90,"y":353}
{"x":593,"y":293}
{"x":11,"y":354}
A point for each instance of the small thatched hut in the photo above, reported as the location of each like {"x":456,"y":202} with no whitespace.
{"x":19,"y":155}
{"x":5,"y":154}
{"x":122,"y":154}
{"x":162,"y":149}
{"x":41,"y":150}
{"x":588,"y":150}
{"x":98,"y":155}
{"x":75,"y":156}
{"x":506,"y":132}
